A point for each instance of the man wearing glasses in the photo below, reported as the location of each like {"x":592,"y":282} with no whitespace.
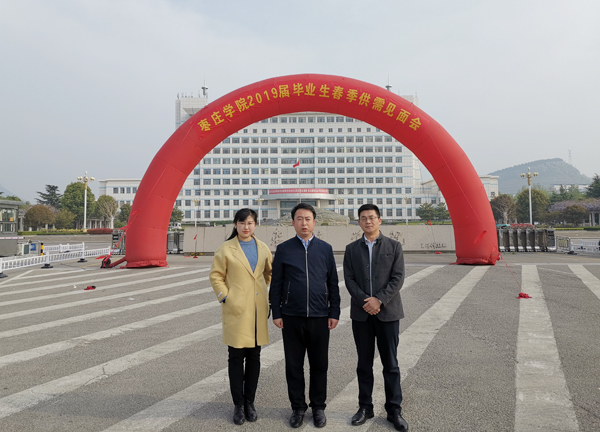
{"x":305,"y":298}
{"x":374,"y":274}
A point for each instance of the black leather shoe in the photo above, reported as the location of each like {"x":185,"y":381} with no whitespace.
{"x":361,"y":416}
{"x":238,"y":415}
{"x":319,"y":419}
{"x":250,"y":411}
{"x":297,"y":418}
{"x":396,"y":418}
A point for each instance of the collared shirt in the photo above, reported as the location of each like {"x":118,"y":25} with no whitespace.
{"x":305,"y":242}
{"x":370,"y":246}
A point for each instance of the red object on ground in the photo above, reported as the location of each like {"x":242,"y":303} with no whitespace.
{"x":91,"y":287}
{"x":522,"y":295}
{"x":439,"y":253}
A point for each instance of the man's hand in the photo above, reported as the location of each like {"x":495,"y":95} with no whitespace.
{"x":372,"y":305}
{"x":278,"y":322}
{"x":332,"y":323}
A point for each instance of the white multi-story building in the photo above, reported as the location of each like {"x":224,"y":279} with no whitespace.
{"x":327,"y":160}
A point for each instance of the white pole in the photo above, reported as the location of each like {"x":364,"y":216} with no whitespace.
{"x":530,"y":210}
{"x":85,"y":206}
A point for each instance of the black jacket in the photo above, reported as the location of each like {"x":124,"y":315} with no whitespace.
{"x":304,"y":282}
{"x":387,"y":273}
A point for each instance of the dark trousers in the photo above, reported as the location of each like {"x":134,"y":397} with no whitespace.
{"x":243,"y":380}
{"x":387,"y":335}
{"x":301,"y":336}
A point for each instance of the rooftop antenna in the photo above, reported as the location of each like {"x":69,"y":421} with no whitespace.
{"x":205,"y":90}
{"x":388,"y":86}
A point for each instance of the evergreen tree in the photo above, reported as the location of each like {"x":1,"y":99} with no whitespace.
{"x":575,"y":214}
{"x":441,"y":212}
{"x":176,"y":215}
{"x":50,"y":198}
{"x":39,"y":216}
{"x":593,"y":190}
{"x":72,"y":200}
{"x":539,"y":204}
{"x":426,"y":212}
{"x":124,"y":213}
{"x":64,"y":219}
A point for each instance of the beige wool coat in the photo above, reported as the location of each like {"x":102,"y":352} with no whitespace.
{"x":247,"y":293}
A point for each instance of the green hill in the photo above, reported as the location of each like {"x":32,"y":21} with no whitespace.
{"x":550,"y":172}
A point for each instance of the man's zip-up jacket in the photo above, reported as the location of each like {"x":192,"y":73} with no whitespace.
{"x":304,"y":280}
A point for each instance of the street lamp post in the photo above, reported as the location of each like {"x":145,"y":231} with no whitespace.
{"x":196,"y":201}
{"x":85,"y":179}
{"x":259,"y":215}
{"x":529,"y":176}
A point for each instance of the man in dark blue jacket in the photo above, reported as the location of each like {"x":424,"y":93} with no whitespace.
{"x":374,"y":274}
{"x":305,"y":299}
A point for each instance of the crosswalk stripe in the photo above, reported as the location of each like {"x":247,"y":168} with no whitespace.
{"x":182,"y":404}
{"x":103,"y":287}
{"x":99,"y":299}
{"x":8,"y":281}
{"x":543,"y":401}
{"x":32,"y":396}
{"x":412,"y":344}
{"x":53,"y":348}
{"x":80,"y":274}
{"x":105,"y":312}
{"x":420,"y":275}
{"x":20,"y":401}
{"x":591,"y":281}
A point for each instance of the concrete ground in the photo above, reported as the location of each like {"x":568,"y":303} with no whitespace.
{"x":142,"y":351}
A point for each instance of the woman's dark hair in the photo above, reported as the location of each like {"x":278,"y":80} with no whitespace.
{"x":240,"y":216}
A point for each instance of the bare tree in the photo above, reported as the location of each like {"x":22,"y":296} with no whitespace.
{"x":504,"y":208}
{"x":107,"y":207}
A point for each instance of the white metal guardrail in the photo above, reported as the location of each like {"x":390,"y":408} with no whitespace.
{"x":563,"y":244}
{"x":64,"y":248}
{"x":585,"y":246}
{"x":45,"y":260}
{"x":577,"y":245}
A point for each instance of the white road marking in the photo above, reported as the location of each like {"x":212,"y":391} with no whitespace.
{"x":543,"y":401}
{"x":161,"y":415}
{"x":53,"y":348}
{"x":32,"y":396}
{"x":98,"y":314}
{"x":82,"y":292}
{"x":98,"y":299}
{"x":587,"y":278}
{"x":413,"y":343}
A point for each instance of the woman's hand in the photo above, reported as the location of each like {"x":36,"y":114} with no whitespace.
{"x":278,"y":322}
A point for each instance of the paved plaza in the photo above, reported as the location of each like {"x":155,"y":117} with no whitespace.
{"x":143,"y":351}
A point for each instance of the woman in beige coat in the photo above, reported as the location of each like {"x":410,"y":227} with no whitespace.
{"x":240,"y":275}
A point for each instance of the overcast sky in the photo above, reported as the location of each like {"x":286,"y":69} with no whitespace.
{"x":91,"y":85}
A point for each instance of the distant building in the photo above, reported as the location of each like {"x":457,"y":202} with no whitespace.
{"x":328,"y":160}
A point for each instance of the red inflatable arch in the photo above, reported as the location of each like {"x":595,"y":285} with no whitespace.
{"x":472,"y":219}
